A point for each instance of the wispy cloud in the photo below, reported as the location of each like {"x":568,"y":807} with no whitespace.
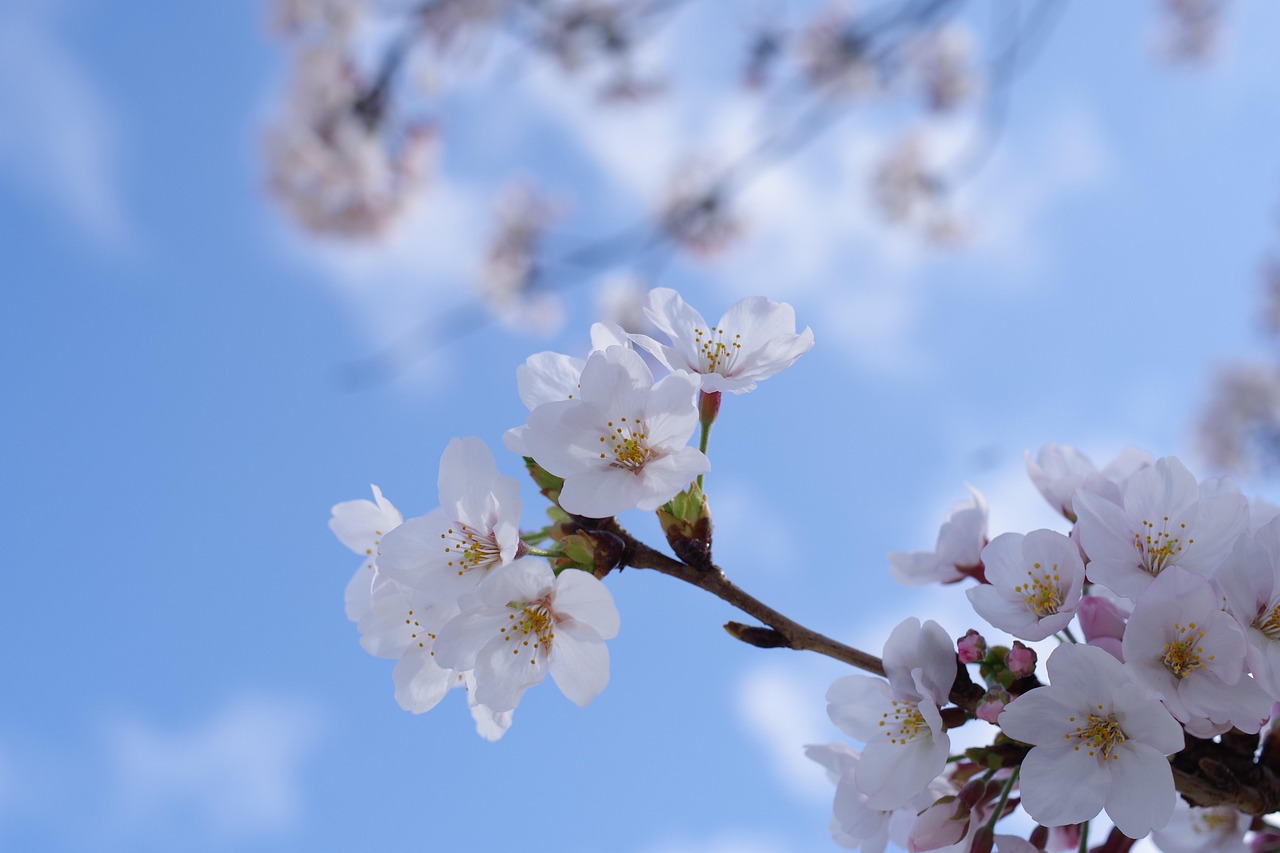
{"x":783,"y":710}
{"x":61,"y":136}
{"x":236,"y":774}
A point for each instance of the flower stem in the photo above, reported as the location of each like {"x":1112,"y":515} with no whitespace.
{"x":1004,"y":798}
{"x":708,"y":409}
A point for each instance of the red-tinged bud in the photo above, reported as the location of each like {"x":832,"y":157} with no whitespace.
{"x":972,"y":647}
{"x":1021,"y":660}
{"x":992,"y":704}
{"x":708,"y":407}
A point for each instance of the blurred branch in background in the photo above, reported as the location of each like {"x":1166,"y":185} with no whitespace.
{"x":358,"y":137}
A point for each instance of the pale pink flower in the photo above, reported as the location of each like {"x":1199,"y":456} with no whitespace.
{"x":1203,"y":830}
{"x":754,"y":340}
{"x":1103,"y":623}
{"x":1059,"y":471}
{"x":360,"y":525}
{"x":1164,"y":519}
{"x":1179,"y":644}
{"x":1100,"y":742}
{"x":525,"y":622}
{"x":958,"y":553}
{"x":623,"y":443}
{"x":1035,"y":583}
{"x":449,"y":550}
{"x":898,"y":720}
{"x":1250,"y":583}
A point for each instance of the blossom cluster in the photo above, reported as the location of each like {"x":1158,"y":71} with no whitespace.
{"x":461,"y":598}
{"x":1174,"y":585}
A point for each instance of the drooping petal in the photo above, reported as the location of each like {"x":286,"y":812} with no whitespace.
{"x":579,"y":661}
{"x":581,"y":596}
{"x":1062,"y":785}
{"x":1142,"y":795}
{"x":420,"y":682}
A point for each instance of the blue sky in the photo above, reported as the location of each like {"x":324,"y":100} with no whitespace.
{"x":180,"y":674}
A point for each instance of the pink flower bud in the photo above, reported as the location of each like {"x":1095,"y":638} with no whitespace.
{"x":1021,"y":660}
{"x":992,"y":703}
{"x":1103,"y":624}
{"x":972,"y":647}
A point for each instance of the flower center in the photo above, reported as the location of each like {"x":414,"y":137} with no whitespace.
{"x":1042,"y":592}
{"x":903,"y":722}
{"x":1182,"y":656}
{"x":1270,"y":624}
{"x":1158,"y":547}
{"x":1216,"y":821}
{"x":716,"y":353}
{"x":1098,"y":734}
{"x":531,"y":627}
{"x":470,"y":549}
{"x":627,"y":443}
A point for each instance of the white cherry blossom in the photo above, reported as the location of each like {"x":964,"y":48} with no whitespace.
{"x":548,"y":377}
{"x":623,"y":443}
{"x":853,"y":823}
{"x":525,"y":622}
{"x":1179,"y":644}
{"x":755,"y":339}
{"x":1250,"y":583}
{"x":450,"y":550}
{"x":1059,"y":471}
{"x":898,"y":719}
{"x":1035,"y":583}
{"x":1100,"y":742}
{"x":1203,"y":830}
{"x":958,"y":552}
{"x":360,"y":525}
{"x":1164,"y":519}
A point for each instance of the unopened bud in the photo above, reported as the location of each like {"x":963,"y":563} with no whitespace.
{"x":1021,"y":660}
{"x":972,"y":647}
{"x":992,"y":704}
{"x":686,"y":521}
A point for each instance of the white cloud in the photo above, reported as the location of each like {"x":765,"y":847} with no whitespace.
{"x":61,"y":135}
{"x":785,"y":710}
{"x":236,"y":774}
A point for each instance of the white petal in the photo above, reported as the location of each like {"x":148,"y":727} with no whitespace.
{"x":579,"y":662}
{"x":582,"y":597}
{"x":420,"y":683}
{"x":1061,"y":785}
{"x":1142,"y":793}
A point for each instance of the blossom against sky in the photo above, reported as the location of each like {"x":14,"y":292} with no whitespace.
{"x":175,"y":436}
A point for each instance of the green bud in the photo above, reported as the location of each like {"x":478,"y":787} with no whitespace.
{"x":686,"y":521}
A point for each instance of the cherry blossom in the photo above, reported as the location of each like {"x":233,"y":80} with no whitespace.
{"x":1181,"y":645}
{"x":898,"y":720}
{"x":755,"y":339}
{"x":451,"y":549}
{"x":958,"y":553}
{"x":1035,"y":583}
{"x":1250,"y":582}
{"x":853,"y":823}
{"x":1059,"y":471}
{"x":1201,"y":830}
{"x":1164,"y":519}
{"x":525,"y":622}
{"x":623,"y":443}
{"x":360,"y":525}
{"x":1099,"y":742}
